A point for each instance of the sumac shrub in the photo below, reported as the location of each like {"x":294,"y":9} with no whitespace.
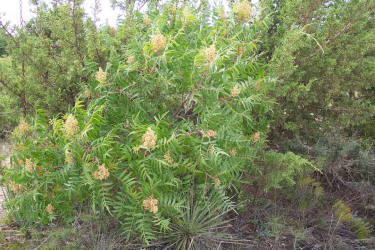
{"x":178,"y":112}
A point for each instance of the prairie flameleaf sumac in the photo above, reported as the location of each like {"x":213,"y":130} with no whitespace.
{"x":178,"y":109}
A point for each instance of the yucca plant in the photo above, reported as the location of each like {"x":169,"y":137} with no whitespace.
{"x":201,"y":223}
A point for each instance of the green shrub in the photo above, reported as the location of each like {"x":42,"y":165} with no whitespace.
{"x":282,"y":170}
{"x":343,"y":213}
{"x":177,"y":109}
{"x":344,"y":160}
{"x":46,"y":58}
{"x":318,"y":56}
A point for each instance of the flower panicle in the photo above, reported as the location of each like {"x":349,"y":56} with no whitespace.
{"x":131,"y":60}
{"x":168,"y":158}
{"x":210,"y":53}
{"x":158,"y":42}
{"x":149,"y":138}
{"x":235,"y":91}
{"x":150,"y":204}
{"x":87,"y":92}
{"x":256,"y":136}
{"x":243,"y":11}
{"x":15,"y":187}
{"x":50,"y":208}
{"x":233,"y":152}
{"x":30,"y":166}
{"x":209,"y":133}
{"x":147,"y":20}
{"x":102,"y":173}
{"x":23,"y":127}
{"x":71,"y":125}
{"x":101,"y":76}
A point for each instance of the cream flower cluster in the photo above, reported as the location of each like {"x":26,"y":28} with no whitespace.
{"x":149,"y":139}
{"x":150,"y":204}
{"x":243,"y":11}
{"x":131,"y":60}
{"x":102,"y":173}
{"x":158,"y":42}
{"x":146,"y":20}
{"x":233,"y":152}
{"x":15,"y":187}
{"x":210,"y":53}
{"x":101,"y":76}
{"x":23,"y":127}
{"x":30,"y":166}
{"x":87,"y":93}
{"x":49,"y":208}
{"x":168,"y":158}
{"x":256,"y":136}
{"x":235,"y":91}
{"x":210,"y":133}
{"x":71,"y":125}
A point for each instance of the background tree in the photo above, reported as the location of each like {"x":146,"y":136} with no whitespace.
{"x":132,"y":5}
{"x":47,"y":57}
{"x":320,"y":54}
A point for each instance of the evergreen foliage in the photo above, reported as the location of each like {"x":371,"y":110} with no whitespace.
{"x":320,"y":54}
{"x":47,"y":59}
